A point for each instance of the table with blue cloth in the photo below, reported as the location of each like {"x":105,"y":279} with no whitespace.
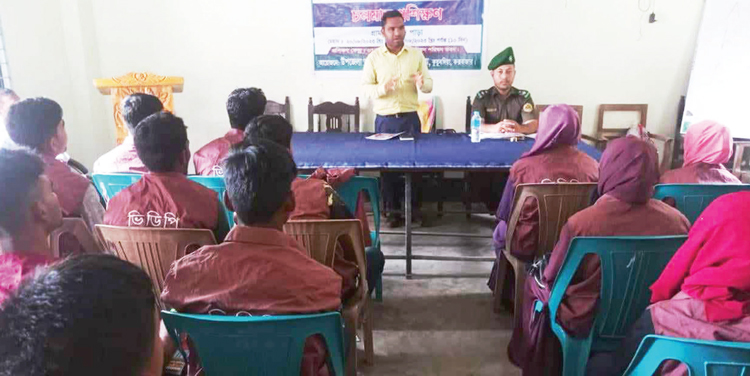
{"x":428,"y":152}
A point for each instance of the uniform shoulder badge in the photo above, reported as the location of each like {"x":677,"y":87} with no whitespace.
{"x":528,"y":107}
{"x":481,"y":94}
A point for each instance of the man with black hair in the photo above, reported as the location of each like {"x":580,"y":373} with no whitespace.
{"x":37,"y":123}
{"x":243,"y":105}
{"x":29,"y":212}
{"x":316,"y":199}
{"x":258,"y":269}
{"x":124,"y":158}
{"x":86,"y":315}
{"x":164,"y":196}
{"x":392,"y":76}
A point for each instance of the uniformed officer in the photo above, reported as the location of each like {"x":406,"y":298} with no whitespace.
{"x":503,"y":107}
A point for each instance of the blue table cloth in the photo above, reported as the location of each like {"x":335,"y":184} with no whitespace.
{"x":428,"y":151}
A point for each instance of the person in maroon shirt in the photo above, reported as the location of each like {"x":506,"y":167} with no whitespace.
{"x":258,"y":269}
{"x":37,"y":123}
{"x":124,"y":158}
{"x":627,"y":174}
{"x":243,"y":105}
{"x":86,"y":315}
{"x":29,"y":212}
{"x":164,"y":196}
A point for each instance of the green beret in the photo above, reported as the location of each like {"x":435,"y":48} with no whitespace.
{"x":504,"y":57}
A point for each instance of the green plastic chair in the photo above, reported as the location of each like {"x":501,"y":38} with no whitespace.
{"x":349,"y":192}
{"x":257,"y":345}
{"x":702,"y":358}
{"x":108,"y":185}
{"x":629,"y":266}
{"x":692,"y":199}
{"x":216,"y":184}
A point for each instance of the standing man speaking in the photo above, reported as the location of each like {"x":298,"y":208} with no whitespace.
{"x":392,"y":75}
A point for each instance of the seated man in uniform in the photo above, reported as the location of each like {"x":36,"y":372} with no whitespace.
{"x":87,"y":315}
{"x":503,"y":109}
{"x":29,"y":212}
{"x":124,"y":158}
{"x":317,"y":200}
{"x":258,"y":269}
{"x":164,"y":196}
{"x":37,"y":123}
{"x":243,"y":105}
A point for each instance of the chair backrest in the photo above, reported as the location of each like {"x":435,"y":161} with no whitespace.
{"x":257,"y":345}
{"x":276,"y":108}
{"x":77,"y":228}
{"x":468,"y":114}
{"x":692,"y":199}
{"x":349,"y":192}
{"x":703,"y":358}
{"x":629,"y":265}
{"x":579,"y":110}
{"x":741,"y":164}
{"x":216,"y":184}
{"x":610,"y":132}
{"x":153,"y":249}
{"x":108,"y":185}
{"x":557,"y":202}
{"x":666,"y":151}
{"x":335,"y":114}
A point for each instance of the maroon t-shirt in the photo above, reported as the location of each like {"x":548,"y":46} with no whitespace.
{"x":207,"y":160}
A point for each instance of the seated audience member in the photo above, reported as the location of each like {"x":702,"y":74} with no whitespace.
{"x":29,"y":212}
{"x":557,"y":140}
{"x":7,"y":98}
{"x":164,"y":196}
{"x":703,"y":293}
{"x":124,"y":158}
{"x":37,"y":123}
{"x":627,"y":173}
{"x":243,"y":105}
{"x":708,"y":145}
{"x":315,"y":199}
{"x":258,"y":269}
{"x":86,"y":315}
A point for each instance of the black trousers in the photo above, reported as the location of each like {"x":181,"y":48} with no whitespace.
{"x":393,"y":182}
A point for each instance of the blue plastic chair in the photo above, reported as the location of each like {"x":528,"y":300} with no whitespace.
{"x":215,"y":183}
{"x":629,"y":266}
{"x":692,"y":199}
{"x":702,"y":358}
{"x":349,"y":192}
{"x":257,"y":345}
{"x":108,"y":185}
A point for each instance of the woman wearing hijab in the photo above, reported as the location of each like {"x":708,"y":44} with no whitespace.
{"x":553,"y":158}
{"x":627,"y":173}
{"x":704,"y":292}
{"x":708,"y":145}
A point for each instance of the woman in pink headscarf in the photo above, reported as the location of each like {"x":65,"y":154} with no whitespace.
{"x":553,"y":158}
{"x":708,"y":145}
{"x":628,"y":171}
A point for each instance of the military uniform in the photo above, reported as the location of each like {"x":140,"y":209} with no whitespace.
{"x":495,"y":107}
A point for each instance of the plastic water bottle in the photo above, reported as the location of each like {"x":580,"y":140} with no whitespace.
{"x":476,"y":123}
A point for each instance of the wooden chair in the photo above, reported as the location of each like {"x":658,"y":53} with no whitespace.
{"x":612,"y":133}
{"x":153,"y":249}
{"x":596,"y":142}
{"x":556,"y":202}
{"x":741,"y":165}
{"x":320,"y":238}
{"x":77,"y":228}
{"x":276,"y":108}
{"x":579,"y":109}
{"x":666,"y":152}
{"x":335,"y":114}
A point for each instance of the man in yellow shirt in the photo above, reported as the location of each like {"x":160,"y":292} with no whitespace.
{"x":392,"y":75}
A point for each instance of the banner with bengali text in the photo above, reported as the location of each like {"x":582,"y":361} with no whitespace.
{"x":449,"y":32}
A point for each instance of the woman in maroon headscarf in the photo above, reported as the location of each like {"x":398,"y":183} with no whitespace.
{"x":553,"y":158}
{"x":708,"y":145}
{"x":704,"y":292}
{"x":627,"y":173}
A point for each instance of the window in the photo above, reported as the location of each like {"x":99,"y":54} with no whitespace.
{"x":4,"y":75}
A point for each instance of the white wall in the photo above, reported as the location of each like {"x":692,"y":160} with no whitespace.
{"x":582,"y":52}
